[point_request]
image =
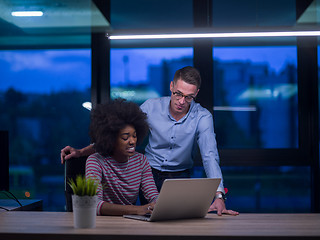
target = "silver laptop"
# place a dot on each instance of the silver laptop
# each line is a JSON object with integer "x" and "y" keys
{"x": 182, "y": 198}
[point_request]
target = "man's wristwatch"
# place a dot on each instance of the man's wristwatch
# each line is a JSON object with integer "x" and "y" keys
{"x": 221, "y": 195}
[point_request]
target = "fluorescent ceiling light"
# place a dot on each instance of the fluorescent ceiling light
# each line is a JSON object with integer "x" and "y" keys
{"x": 217, "y": 35}
{"x": 27, "y": 13}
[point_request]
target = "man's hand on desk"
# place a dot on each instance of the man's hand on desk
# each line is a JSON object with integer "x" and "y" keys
{"x": 220, "y": 206}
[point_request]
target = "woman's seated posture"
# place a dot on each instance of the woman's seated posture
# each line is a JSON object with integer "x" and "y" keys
{"x": 120, "y": 171}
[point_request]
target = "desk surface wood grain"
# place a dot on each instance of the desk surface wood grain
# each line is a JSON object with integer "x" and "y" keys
{"x": 59, "y": 225}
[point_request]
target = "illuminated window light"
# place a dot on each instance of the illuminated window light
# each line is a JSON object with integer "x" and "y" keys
{"x": 87, "y": 105}
{"x": 235, "y": 109}
{"x": 27, "y": 13}
{"x": 217, "y": 35}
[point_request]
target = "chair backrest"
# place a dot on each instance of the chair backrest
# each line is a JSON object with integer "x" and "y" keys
{"x": 72, "y": 168}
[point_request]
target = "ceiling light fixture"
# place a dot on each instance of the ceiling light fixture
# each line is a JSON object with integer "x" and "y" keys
{"x": 27, "y": 13}
{"x": 216, "y": 35}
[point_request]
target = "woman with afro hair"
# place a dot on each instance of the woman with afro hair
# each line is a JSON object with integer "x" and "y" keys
{"x": 116, "y": 127}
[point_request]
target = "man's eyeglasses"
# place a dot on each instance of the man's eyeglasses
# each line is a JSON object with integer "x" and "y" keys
{"x": 179, "y": 95}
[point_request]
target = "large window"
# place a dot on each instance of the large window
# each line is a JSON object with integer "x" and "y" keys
{"x": 256, "y": 97}
{"x": 41, "y": 96}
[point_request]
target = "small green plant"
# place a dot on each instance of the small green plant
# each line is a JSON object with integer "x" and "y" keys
{"x": 83, "y": 186}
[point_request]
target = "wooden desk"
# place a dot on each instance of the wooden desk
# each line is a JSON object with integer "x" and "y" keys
{"x": 59, "y": 225}
{"x": 27, "y": 205}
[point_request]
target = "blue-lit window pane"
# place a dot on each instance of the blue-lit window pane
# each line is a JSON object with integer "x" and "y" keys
{"x": 142, "y": 73}
{"x": 255, "y": 97}
{"x": 266, "y": 189}
{"x": 41, "y": 96}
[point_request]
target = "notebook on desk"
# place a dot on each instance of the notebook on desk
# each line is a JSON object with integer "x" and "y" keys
{"x": 181, "y": 199}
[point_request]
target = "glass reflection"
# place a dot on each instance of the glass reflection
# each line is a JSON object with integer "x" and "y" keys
{"x": 255, "y": 97}
{"x": 143, "y": 73}
{"x": 41, "y": 96}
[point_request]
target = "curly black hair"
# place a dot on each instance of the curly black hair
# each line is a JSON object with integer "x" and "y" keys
{"x": 108, "y": 119}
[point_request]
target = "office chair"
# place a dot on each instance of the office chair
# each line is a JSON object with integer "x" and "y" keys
{"x": 72, "y": 168}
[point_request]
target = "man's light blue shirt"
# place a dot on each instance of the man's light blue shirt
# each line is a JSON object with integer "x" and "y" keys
{"x": 172, "y": 143}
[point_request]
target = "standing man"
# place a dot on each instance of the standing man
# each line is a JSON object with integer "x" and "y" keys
{"x": 177, "y": 123}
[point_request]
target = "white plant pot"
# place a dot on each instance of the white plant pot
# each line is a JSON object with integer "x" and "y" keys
{"x": 84, "y": 211}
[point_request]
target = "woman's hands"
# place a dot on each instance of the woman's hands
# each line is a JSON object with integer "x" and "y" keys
{"x": 145, "y": 209}
{"x": 119, "y": 210}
